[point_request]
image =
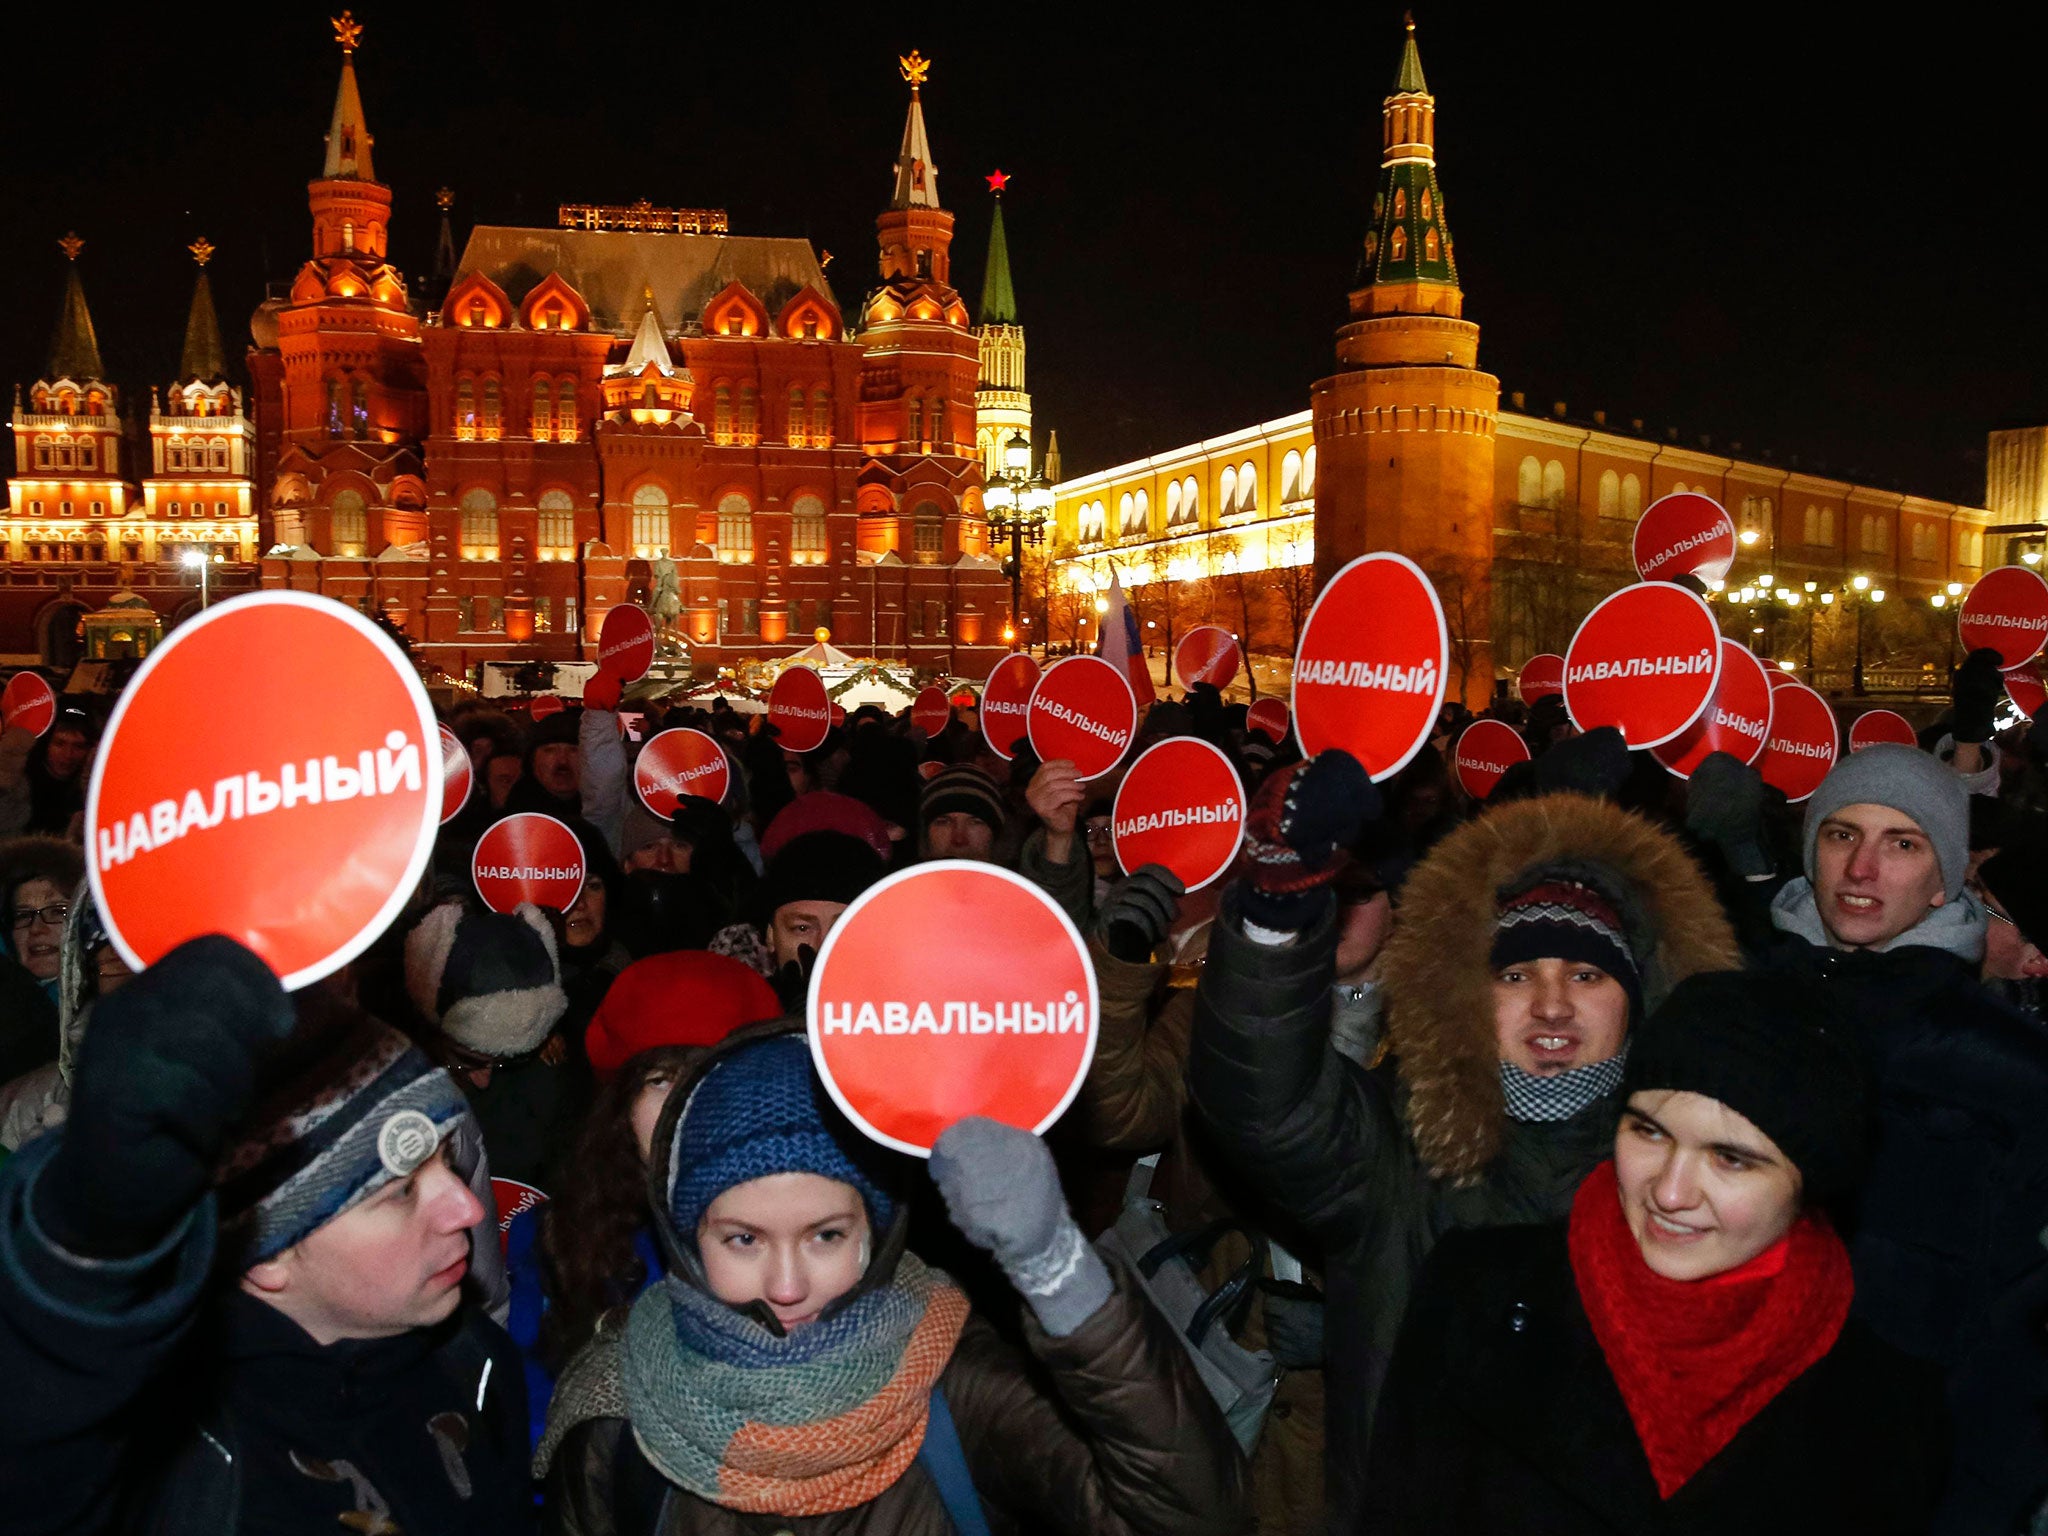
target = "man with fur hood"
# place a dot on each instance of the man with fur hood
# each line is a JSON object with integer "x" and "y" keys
{"x": 1527, "y": 944}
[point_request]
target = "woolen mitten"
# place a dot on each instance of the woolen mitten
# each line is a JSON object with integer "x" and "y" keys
{"x": 167, "y": 1071}
{"x": 603, "y": 690}
{"x": 1138, "y": 912}
{"x": 1003, "y": 1193}
{"x": 1724, "y": 805}
{"x": 1296, "y": 836}
{"x": 1979, "y": 685}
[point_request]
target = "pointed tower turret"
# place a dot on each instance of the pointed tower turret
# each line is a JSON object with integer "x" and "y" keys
{"x": 1408, "y": 248}
{"x": 916, "y": 233}
{"x": 201, "y": 446}
{"x": 204, "y": 360}
{"x": 351, "y": 208}
{"x": 917, "y": 176}
{"x": 348, "y": 136}
{"x": 443, "y": 275}
{"x": 1002, "y": 409}
{"x": 67, "y": 438}
{"x": 649, "y": 387}
{"x": 74, "y": 345}
{"x": 1052, "y": 458}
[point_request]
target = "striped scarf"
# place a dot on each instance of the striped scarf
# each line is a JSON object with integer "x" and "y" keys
{"x": 819, "y": 1420}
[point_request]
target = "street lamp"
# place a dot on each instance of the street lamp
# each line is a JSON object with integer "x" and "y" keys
{"x": 196, "y": 559}
{"x": 1017, "y": 502}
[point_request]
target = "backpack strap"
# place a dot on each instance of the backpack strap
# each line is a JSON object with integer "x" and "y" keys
{"x": 946, "y": 1463}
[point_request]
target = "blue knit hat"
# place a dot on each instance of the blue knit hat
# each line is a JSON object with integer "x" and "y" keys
{"x": 759, "y": 1111}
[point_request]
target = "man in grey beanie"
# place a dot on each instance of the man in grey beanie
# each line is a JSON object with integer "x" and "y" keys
{"x": 1946, "y": 1237}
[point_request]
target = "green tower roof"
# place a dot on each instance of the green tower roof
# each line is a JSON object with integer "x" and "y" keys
{"x": 1408, "y": 81}
{"x": 74, "y": 347}
{"x": 998, "y": 298}
{"x": 1409, "y": 241}
{"x": 204, "y": 357}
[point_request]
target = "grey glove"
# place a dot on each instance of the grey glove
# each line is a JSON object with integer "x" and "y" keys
{"x": 1724, "y": 805}
{"x": 1003, "y": 1193}
{"x": 1138, "y": 912}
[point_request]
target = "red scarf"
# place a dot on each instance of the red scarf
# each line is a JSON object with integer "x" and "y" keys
{"x": 1697, "y": 1360}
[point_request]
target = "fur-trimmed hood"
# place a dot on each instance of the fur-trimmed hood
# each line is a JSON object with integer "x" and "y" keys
{"x": 1435, "y": 972}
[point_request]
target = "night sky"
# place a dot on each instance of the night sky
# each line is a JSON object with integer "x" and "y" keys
{"x": 1822, "y": 245}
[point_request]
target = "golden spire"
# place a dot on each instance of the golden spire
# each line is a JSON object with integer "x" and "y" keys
{"x": 915, "y": 68}
{"x": 346, "y": 31}
{"x": 71, "y": 245}
{"x": 445, "y": 199}
{"x": 202, "y": 250}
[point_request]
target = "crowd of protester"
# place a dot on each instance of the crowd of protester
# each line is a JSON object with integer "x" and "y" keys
{"x": 1617, "y": 1153}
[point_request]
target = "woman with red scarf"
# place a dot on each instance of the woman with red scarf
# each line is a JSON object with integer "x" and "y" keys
{"x": 1678, "y": 1357}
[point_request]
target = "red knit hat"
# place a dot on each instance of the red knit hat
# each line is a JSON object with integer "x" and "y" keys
{"x": 825, "y": 810}
{"x": 686, "y": 997}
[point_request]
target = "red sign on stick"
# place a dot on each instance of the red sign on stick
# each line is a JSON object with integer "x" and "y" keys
{"x": 1488, "y": 749}
{"x": 1684, "y": 534}
{"x": 1207, "y": 654}
{"x": 2024, "y": 687}
{"x": 625, "y": 643}
{"x": 2007, "y": 611}
{"x": 1803, "y": 743}
{"x": 1082, "y": 710}
{"x": 1181, "y": 805}
{"x": 1004, "y": 699}
{"x": 931, "y": 711}
{"x": 547, "y": 704}
{"x": 1542, "y": 675}
{"x": 528, "y": 857}
{"x": 1737, "y": 720}
{"x": 677, "y": 763}
{"x": 910, "y": 1036}
{"x": 457, "y": 774}
{"x": 1646, "y": 660}
{"x": 1876, "y": 725}
{"x": 322, "y": 818}
{"x": 27, "y": 703}
{"x": 799, "y": 708}
{"x": 1269, "y": 718}
{"x": 513, "y": 1199}
{"x": 1369, "y": 674}
{"x": 1780, "y": 678}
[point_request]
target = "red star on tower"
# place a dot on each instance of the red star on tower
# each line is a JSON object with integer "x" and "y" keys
{"x": 997, "y": 182}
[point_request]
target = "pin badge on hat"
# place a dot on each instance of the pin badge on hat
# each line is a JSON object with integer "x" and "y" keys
{"x": 406, "y": 1140}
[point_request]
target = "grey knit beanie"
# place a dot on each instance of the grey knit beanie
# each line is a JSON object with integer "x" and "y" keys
{"x": 1907, "y": 780}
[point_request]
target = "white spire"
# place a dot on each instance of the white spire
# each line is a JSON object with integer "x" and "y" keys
{"x": 348, "y": 136}
{"x": 917, "y": 177}
{"x": 649, "y": 346}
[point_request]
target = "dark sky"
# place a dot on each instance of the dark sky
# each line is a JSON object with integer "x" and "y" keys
{"x": 1822, "y": 243}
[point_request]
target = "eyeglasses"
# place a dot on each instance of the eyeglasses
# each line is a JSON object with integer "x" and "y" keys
{"x": 51, "y": 916}
{"x": 1097, "y": 831}
{"x": 1991, "y": 911}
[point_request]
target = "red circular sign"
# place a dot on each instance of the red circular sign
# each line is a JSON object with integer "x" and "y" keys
{"x": 1684, "y": 534}
{"x": 1488, "y": 749}
{"x": 1803, "y": 743}
{"x": 1647, "y": 660}
{"x": 677, "y": 763}
{"x": 1207, "y": 654}
{"x": 1181, "y": 805}
{"x": 799, "y": 708}
{"x": 1004, "y": 699}
{"x": 2023, "y": 685}
{"x": 1736, "y": 721}
{"x": 325, "y": 816}
{"x": 1269, "y": 718}
{"x": 457, "y": 774}
{"x": 2007, "y": 610}
{"x": 547, "y": 704}
{"x": 1876, "y": 725}
{"x": 528, "y": 857}
{"x": 1542, "y": 675}
{"x": 625, "y": 643}
{"x": 1370, "y": 671}
{"x": 1082, "y": 711}
{"x": 931, "y": 711}
{"x": 514, "y": 1200}
{"x": 1780, "y": 678}
{"x": 911, "y": 1037}
{"x": 27, "y": 703}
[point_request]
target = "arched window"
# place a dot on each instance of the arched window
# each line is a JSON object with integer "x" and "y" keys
{"x": 1827, "y": 527}
{"x": 1678, "y": 488}
{"x": 543, "y": 409}
{"x": 1610, "y": 493}
{"x": 913, "y": 439}
{"x": 1631, "y": 496}
{"x": 1191, "y": 498}
{"x": 220, "y": 453}
{"x": 821, "y": 417}
{"x": 1126, "y": 515}
{"x": 1430, "y": 243}
{"x": 1290, "y": 477}
{"x": 465, "y": 408}
{"x": 359, "y": 408}
{"x": 1397, "y": 242}
{"x": 557, "y": 533}
{"x": 928, "y": 533}
{"x": 1529, "y": 482}
{"x": 721, "y": 414}
{"x": 493, "y": 423}
{"x": 1142, "y": 510}
{"x": 1308, "y": 473}
{"x": 750, "y": 415}
{"x": 351, "y": 525}
{"x": 735, "y": 530}
{"x": 1226, "y": 492}
{"x": 1812, "y": 524}
{"x": 807, "y": 531}
{"x": 1553, "y": 485}
{"x": 935, "y": 424}
{"x": 651, "y": 531}
{"x": 334, "y": 408}
{"x": 798, "y": 427}
{"x": 1766, "y": 517}
{"x": 1172, "y": 502}
{"x": 1247, "y": 488}
{"x": 479, "y": 525}
{"x": 87, "y": 451}
{"x": 1088, "y": 523}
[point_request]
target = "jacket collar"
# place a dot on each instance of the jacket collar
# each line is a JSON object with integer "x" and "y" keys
{"x": 1956, "y": 927}
{"x": 274, "y": 1366}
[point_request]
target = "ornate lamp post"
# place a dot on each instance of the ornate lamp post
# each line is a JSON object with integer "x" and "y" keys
{"x": 1018, "y": 503}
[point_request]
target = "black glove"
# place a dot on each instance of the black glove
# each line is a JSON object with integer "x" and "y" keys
{"x": 1302, "y": 821}
{"x": 1979, "y": 685}
{"x": 1594, "y": 764}
{"x": 1724, "y": 805}
{"x": 1138, "y": 911}
{"x": 165, "y": 1074}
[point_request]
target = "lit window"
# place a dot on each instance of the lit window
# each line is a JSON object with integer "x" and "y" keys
{"x": 721, "y": 418}
{"x": 651, "y": 531}
{"x": 1553, "y": 485}
{"x": 1290, "y": 480}
{"x": 465, "y": 408}
{"x": 735, "y": 530}
{"x": 543, "y": 411}
{"x": 494, "y": 413}
{"x": 351, "y": 524}
{"x": 1631, "y": 496}
{"x": 557, "y": 533}
{"x": 928, "y": 533}
{"x": 565, "y": 411}
{"x": 1226, "y": 492}
{"x": 807, "y": 531}
{"x": 479, "y": 525}
{"x": 750, "y": 415}
{"x": 821, "y": 417}
{"x": 798, "y": 433}
{"x": 1610, "y": 493}
{"x": 1397, "y": 243}
{"x": 1247, "y": 488}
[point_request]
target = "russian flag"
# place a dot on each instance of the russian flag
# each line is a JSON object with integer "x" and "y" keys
{"x": 1118, "y": 644}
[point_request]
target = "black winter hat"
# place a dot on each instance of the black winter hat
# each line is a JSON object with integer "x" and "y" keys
{"x": 818, "y": 866}
{"x": 562, "y": 728}
{"x": 1774, "y": 1049}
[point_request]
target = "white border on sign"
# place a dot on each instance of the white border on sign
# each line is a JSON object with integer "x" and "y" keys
{"x": 1443, "y": 656}
{"x": 901, "y": 877}
{"x": 945, "y": 699}
{"x": 1286, "y": 719}
{"x": 653, "y": 642}
{"x": 1129, "y": 693}
{"x": 582, "y": 859}
{"x": 1711, "y": 570}
{"x": 1243, "y": 805}
{"x": 1827, "y": 709}
{"x": 1186, "y": 636}
{"x": 1730, "y": 648}
{"x": 640, "y": 793}
{"x": 1964, "y": 615}
{"x": 824, "y": 730}
{"x": 430, "y": 750}
{"x": 49, "y": 695}
{"x": 981, "y": 703}
{"x": 1557, "y": 692}
{"x": 449, "y": 739}
{"x": 1458, "y": 755}
{"x": 1713, "y": 683}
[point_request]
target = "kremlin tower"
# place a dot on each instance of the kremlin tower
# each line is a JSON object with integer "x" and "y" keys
{"x": 1002, "y": 409}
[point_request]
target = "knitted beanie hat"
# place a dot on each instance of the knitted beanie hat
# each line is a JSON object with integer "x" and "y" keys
{"x": 1904, "y": 779}
{"x": 963, "y": 788}
{"x": 684, "y": 997}
{"x": 489, "y": 981}
{"x": 825, "y": 810}
{"x": 1556, "y": 917}
{"x": 759, "y": 1111}
{"x": 1772, "y": 1048}
{"x": 819, "y": 866}
{"x": 359, "y": 1105}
